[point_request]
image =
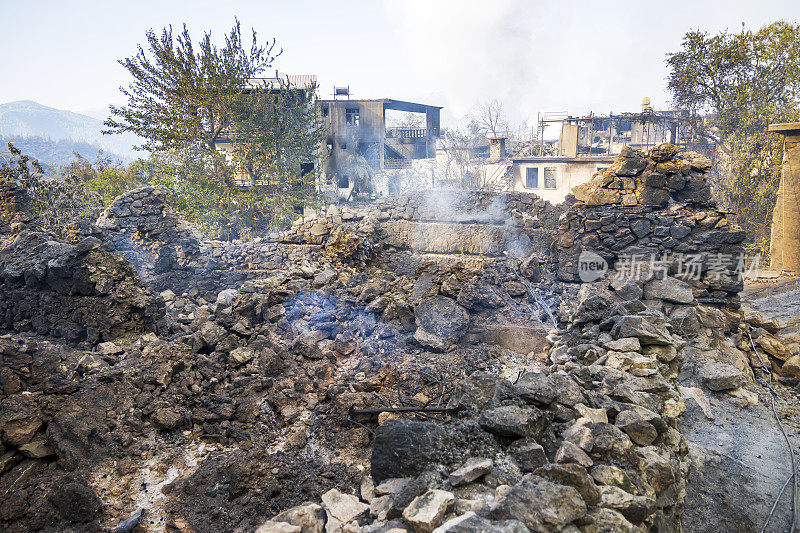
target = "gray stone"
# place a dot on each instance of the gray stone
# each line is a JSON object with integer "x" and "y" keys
{"x": 540, "y": 504}
{"x": 528, "y": 454}
{"x": 470, "y": 522}
{"x": 669, "y": 289}
{"x": 536, "y": 388}
{"x": 648, "y": 329}
{"x": 426, "y": 512}
{"x": 571, "y": 453}
{"x": 441, "y": 322}
{"x": 636, "y": 427}
{"x": 573, "y": 475}
{"x": 513, "y": 421}
{"x": 635, "y": 508}
{"x": 474, "y": 468}
{"x": 721, "y": 376}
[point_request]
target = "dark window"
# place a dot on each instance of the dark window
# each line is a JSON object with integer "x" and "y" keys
{"x": 342, "y": 146}
{"x": 325, "y": 111}
{"x": 532, "y": 178}
{"x": 343, "y": 182}
{"x": 549, "y": 178}
{"x": 351, "y": 116}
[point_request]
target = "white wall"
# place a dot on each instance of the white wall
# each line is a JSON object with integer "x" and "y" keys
{"x": 568, "y": 175}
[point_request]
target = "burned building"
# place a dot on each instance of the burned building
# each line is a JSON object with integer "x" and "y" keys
{"x": 590, "y": 143}
{"x": 359, "y": 133}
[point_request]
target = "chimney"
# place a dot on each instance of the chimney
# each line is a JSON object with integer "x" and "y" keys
{"x": 497, "y": 149}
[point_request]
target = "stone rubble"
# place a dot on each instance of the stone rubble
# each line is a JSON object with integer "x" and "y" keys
{"x": 215, "y": 383}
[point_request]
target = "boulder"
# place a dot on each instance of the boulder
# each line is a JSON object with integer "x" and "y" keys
{"x": 721, "y": 376}
{"x": 540, "y": 504}
{"x": 403, "y": 448}
{"x": 513, "y": 421}
{"x": 669, "y": 289}
{"x": 648, "y": 329}
{"x": 536, "y": 387}
{"x": 441, "y": 322}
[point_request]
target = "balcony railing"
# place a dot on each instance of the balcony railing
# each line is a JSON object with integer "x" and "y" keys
{"x": 407, "y": 133}
{"x": 396, "y": 163}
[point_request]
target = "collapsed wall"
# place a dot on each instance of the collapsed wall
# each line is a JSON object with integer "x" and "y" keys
{"x": 251, "y": 406}
{"x": 79, "y": 292}
{"x": 590, "y": 441}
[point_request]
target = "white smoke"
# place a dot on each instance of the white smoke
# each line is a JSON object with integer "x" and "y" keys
{"x": 471, "y": 50}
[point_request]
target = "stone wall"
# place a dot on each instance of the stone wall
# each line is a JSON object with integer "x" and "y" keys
{"x": 655, "y": 206}
{"x": 398, "y": 231}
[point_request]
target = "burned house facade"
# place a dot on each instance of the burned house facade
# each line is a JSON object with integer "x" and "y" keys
{"x": 588, "y": 144}
{"x": 359, "y": 135}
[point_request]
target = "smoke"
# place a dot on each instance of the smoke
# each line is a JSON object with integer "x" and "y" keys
{"x": 472, "y": 51}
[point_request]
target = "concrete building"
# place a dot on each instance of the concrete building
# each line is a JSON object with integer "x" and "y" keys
{"x": 590, "y": 143}
{"x": 358, "y": 129}
{"x": 552, "y": 178}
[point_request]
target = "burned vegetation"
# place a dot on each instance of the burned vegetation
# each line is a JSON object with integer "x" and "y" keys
{"x": 435, "y": 361}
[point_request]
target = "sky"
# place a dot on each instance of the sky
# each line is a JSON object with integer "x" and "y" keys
{"x": 533, "y": 56}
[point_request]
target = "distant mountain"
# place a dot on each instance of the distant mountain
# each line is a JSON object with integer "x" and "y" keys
{"x": 29, "y": 119}
{"x": 50, "y": 153}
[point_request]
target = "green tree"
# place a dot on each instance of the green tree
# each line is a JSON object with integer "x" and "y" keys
{"x": 236, "y": 151}
{"x": 734, "y": 85}
{"x": 181, "y": 97}
{"x": 105, "y": 176}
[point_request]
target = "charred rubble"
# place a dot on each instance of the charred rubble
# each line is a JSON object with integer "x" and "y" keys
{"x": 426, "y": 362}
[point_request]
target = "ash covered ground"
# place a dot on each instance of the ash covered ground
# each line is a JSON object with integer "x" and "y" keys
{"x": 427, "y": 362}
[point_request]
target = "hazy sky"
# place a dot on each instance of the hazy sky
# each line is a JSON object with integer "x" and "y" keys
{"x": 565, "y": 55}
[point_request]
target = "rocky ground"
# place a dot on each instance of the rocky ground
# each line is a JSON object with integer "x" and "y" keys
{"x": 394, "y": 367}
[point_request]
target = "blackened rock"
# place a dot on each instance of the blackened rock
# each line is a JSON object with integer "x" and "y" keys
{"x": 592, "y": 308}
{"x": 75, "y": 502}
{"x": 513, "y": 421}
{"x": 477, "y": 294}
{"x": 528, "y": 454}
{"x": 404, "y": 448}
{"x": 633, "y": 162}
{"x": 653, "y": 196}
{"x": 441, "y": 322}
{"x": 696, "y": 190}
{"x": 537, "y": 388}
